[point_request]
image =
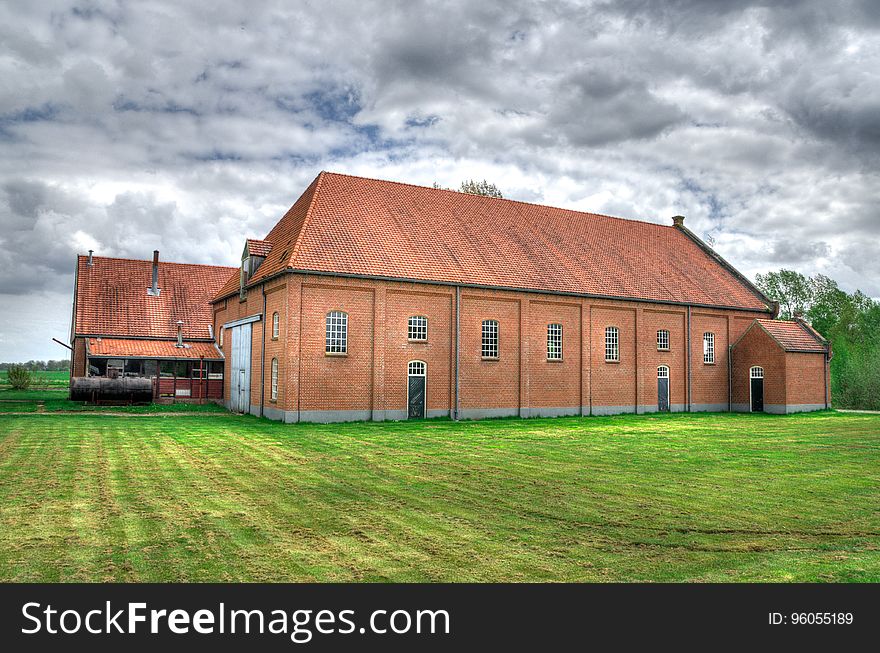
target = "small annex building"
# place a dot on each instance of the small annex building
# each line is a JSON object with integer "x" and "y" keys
{"x": 140, "y": 319}
{"x": 780, "y": 366}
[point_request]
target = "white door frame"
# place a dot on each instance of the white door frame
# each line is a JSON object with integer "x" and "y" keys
{"x": 755, "y": 367}
{"x": 424, "y": 375}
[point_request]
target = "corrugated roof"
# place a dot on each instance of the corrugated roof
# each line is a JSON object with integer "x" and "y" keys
{"x": 792, "y": 336}
{"x": 366, "y": 227}
{"x": 132, "y": 348}
{"x": 111, "y": 298}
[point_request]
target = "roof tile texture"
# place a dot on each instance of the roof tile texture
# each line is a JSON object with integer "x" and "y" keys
{"x": 792, "y": 335}
{"x": 112, "y": 299}
{"x": 352, "y": 225}
{"x": 151, "y": 349}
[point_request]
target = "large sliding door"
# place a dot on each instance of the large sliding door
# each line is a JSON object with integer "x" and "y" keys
{"x": 240, "y": 364}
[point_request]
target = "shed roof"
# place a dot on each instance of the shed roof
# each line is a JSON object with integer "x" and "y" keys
{"x": 138, "y": 348}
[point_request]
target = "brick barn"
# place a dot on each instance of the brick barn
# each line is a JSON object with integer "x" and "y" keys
{"x": 374, "y": 300}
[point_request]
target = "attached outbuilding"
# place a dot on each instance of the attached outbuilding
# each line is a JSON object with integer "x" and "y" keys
{"x": 780, "y": 366}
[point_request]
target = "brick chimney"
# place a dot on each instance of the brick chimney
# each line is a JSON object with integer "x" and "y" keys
{"x": 678, "y": 221}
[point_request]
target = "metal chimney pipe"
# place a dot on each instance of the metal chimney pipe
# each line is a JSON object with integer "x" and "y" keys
{"x": 90, "y": 257}
{"x": 180, "y": 333}
{"x": 154, "y": 289}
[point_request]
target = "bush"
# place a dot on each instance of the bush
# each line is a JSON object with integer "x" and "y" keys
{"x": 19, "y": 377}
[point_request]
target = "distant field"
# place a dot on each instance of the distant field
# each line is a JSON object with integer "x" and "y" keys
{"x": 219, "y": 497}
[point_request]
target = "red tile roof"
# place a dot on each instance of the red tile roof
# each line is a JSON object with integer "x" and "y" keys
{"x": 151, "y": 348}
{"x": 793, "y": 336}
{"x": 111, "y": 298}
{"x": 258, "y": 247}
{"x": 366, "y": 227}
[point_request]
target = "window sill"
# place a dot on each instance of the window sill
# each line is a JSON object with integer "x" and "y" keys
{"x": 612, "y": 362}
{"x": 554, "y": 360}
{"x": 273, "y": 401}
{"x": 417, "y": 342}
{"x": 335, "y": 354}
{"x": 274, "y": 337}
{"x": 709, "y": 364}
{"x": 662, "y": 349}
{"x": 489, "y": 358}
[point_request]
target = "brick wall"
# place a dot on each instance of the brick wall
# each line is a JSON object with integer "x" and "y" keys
{"x": 371, "y": 380}
{"x": 805, "y": 384}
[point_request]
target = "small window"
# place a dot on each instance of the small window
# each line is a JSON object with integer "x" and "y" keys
{"x": 490, "y": 339}
{"x": 275, "y": 377}
{"x": 708, "y": 348}
{"x": 221, "y": 336}
{"x": 337, "y": 333}
{"x": 418, "y": 328}
{"x": 612, "y": 344}
{"x": 416, "y": 368}
{"x": 275, "y": 325}
{"x": 554, "y": 342}
{"x": 663, "y": 372}
{"x": 756, "y": 373}
{"x": 663, "y": 340}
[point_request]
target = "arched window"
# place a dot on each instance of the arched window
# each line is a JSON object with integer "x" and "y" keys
{"x": 554, "y": 342}
{"x": 490, "y": 339}
{"x": 417, "y": 368}
{"x": 663, "y": 340}
{"x": 276, "y": 323}
{"x": 417, "y": 330}
{"x": 756, "y": 372}
{"x": 663, "y": 372}
{"x": 612, "y": 344}
{"x": 709, "y": 348}
{"x": 274, "y": 379}
{"x": 337, "y": 333}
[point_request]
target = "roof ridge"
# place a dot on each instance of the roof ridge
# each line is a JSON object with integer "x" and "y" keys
{"x": 140, "y": 260}
{"x": 501, "y": 199}
{"x": 291, "y": 258}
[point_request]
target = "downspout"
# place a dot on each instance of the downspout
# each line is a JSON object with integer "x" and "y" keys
{"x": 729, "y": 378}
{"x": 689, "y": 356}
{"x": 825, "y": 373}
{"x": 263, "y": 353}
{"x": 457, "y": 411}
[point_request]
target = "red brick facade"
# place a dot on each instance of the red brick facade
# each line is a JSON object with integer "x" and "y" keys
{"x": 370, "y": 381}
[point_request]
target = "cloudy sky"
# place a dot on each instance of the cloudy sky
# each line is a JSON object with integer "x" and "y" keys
{"x": 130, "y": 127}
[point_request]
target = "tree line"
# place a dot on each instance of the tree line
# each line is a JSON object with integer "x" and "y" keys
{"x": 40, "y": 366}
{"x": 850, "y": 321}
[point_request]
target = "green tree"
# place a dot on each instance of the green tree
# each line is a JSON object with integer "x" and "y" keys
{"x": 791, "y": 289}
{"x": 485, "y": 188}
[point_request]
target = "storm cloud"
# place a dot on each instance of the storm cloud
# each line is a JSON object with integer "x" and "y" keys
{"x": 130, "y": 127}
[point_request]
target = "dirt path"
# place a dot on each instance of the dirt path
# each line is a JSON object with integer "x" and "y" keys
{"x": 866, "y": 412}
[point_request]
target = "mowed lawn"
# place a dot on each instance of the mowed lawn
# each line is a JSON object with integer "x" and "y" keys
{"x": 217, "y": 497}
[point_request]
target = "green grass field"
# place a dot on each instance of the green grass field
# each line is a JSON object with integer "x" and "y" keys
{"x": 217, "y": 497}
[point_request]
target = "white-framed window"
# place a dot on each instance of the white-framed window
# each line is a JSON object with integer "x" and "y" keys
{"x": 490, "y": 339}
{"x": 417, "y": 368}
{"x": 242, "y": 291}
{"x": 274, "y": 379}
{"x": 756, "y": 372}
{"x": 663, "y": 340}
{"x": 612, "y": 344}
{"x": 337, "y": 333}
{"x": 554, "y": 342}
{"x": 663, "y": 372}
{"x": 221, "y": 336}
{"x": 417, "y": 329}
{"x": 276, "y": 325}
{"x": 708, "y": 348}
